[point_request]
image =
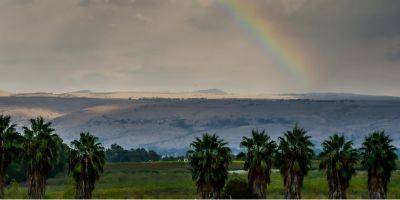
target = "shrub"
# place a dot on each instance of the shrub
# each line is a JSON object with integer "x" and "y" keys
{"x": 15, "y": 191}
{"x": 236, "y": 188}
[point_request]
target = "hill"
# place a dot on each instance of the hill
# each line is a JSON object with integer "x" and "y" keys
{"x": 169, "y": 125}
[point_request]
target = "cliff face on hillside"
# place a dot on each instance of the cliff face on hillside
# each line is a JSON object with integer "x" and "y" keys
{"x": 170, "y": 125}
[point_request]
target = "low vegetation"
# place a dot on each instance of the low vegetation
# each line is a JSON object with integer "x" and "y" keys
{"x": 173, "y": 180}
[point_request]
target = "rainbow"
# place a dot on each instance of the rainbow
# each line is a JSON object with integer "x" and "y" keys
{"x": 270, "y": 41}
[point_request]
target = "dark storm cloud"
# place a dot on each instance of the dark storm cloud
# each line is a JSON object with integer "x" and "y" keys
{"x": 52, "y": 45}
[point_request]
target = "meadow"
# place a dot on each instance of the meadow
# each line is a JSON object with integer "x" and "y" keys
{"x": 173, "y": 180}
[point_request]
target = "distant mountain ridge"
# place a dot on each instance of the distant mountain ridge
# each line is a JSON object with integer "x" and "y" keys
{"x": 211, "y": 91}
{"x": 340, "y": 96}
{"x": 206, "y": 93}
{"x": 83, "y": 91}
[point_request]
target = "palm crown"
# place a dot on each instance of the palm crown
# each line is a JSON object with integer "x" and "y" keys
{"x": 259, "y": 159}
{"x": 379, "y": 157}
{"x": 209, "y": 159}
{"x": 338, "y": 160}
{"x": 10, "y": 141}
{"x": 86, "y": 164}
{"x": 41, "y": 150}
{"x": 294, "y": 159}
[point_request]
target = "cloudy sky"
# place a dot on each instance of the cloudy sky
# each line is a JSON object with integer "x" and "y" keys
{"x": 178, "y": 45}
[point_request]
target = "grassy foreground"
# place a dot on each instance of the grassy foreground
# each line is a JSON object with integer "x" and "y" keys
{"x": 173, "y": 180}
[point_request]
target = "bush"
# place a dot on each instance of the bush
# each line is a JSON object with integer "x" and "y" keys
{"x": 15, "y": 191}
{"x": 236, "y": 188}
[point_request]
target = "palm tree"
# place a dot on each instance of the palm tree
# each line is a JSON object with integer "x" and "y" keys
{"x": 86, "y": 163}
{"x": 41, "y": 148}
{"x": 338, "y": 160}
{"x": 259, "y": 159}
{"x": 209, "y": 159}
{"x": 10, "y": 141}
{"x": 294, "y": 159}
{"x": 379, "y": 157}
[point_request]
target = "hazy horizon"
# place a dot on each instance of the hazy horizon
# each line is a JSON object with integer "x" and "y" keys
{"x": 257, "y": 47}
{"x": 253, "y": 94}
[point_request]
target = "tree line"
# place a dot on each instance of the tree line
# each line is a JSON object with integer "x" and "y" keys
{"x": 39, "y": 153}
{"x": 40, "y": 150}
{"x": 209, "y": 158}
{"x": 117, "y": 153}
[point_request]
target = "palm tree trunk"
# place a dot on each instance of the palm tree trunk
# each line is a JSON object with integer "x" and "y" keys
{"x": 336, "y": 190}
{"x": 206, "y": 194}
{"x": 332, "y": 189}
{"x": 2, "y": 181}
{"x": 78, "y": 190}
{"x": 3, "y": 167}
{"x": 206, "y": 191}
{"x": 344, "y": 193}
{"x": 293, "y": 186}
{"x": 87, "y": 190}
{"x": 258, "y": 187}
{"x": 84, "y": 188}
{"x": 336, "y": 193}
{"x": 376, "y": 188}
{"x": 36, "y": 184}
{"x": 87, "y": 185}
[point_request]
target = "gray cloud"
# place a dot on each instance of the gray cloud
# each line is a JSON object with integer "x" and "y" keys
{"x": 48, "y": 45}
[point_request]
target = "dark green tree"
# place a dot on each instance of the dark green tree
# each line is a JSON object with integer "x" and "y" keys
{"x": 10, "y": 144}
{"x": 61, "y": 165}
{"x": 294, "y": 160}
{"x": 40, "y": 151}
{"x": 338, "y": 160}
{"x": 86, "y": 164}
{"x": 118, "y": 154}
{"x": 379, "y": 157}
{"x": 241, "y": 156}
{"x": 209, "y": 160}
{"x": 260, "y": 155}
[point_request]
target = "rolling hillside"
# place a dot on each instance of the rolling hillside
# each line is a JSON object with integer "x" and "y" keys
{"x": 169, "y": 125}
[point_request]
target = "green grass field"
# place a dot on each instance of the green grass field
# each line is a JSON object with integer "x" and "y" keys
{"x": 173, "y": 180}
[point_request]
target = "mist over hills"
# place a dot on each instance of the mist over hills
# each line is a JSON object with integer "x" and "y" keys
{"x": 205, "y": 93}
{"x": 168, "y": 125}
